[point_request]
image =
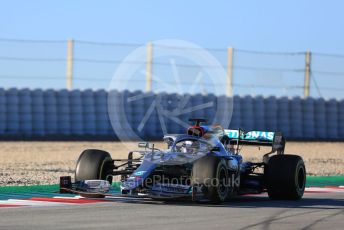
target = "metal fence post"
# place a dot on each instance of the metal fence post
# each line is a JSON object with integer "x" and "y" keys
{"x": 230, "y": 72}
{"x": 69, "y": 72}
{"x": 306, "y": 87}
{"x": 149, "y": 67}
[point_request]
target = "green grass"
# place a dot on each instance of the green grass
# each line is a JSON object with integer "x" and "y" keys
{"x": 30, "y": 188}
{"x": 312, "y": 181}
{"x": 320, "y": 181}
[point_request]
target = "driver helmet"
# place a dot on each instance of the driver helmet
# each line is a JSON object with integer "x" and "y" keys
{"x": 190, "y": 146}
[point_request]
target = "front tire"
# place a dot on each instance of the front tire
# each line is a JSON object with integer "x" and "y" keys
{"x": 285, "y": 177}
{"x": 94, "y": 164}
{"x": 212, "y": 173}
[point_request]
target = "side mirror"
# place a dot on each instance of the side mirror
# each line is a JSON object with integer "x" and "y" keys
{"x": 143, "y": 145}
{"x": 168, "y": 141}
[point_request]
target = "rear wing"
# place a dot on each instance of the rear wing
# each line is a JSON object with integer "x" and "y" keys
{"x": 258, "y": 138}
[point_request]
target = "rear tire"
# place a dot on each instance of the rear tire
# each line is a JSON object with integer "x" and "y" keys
{"x": 94, "y": 164}
{"x": 285, "y": 177}
{"x": 212, "y": 173}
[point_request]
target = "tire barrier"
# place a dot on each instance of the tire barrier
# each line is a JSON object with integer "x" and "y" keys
{"x": 283, "y": 116}
{"x": 341, "y": 119}
{"x": 88, "y": 112}
{"x": 38, "y": 118}
{"x": 2, "y": 112}
{"x": 259, "y": 111}
{"x": 61, "y": 114}
{"x": 308, "y": 118}
{"x": 332, "y": 119}
{"x": 76, "y": 113}
{"x": 247, "y": 113}
{"x": 296, "y": 128}
{"x": 50, "y": 112}
{"x": 236, "y": 115}
{"x": 25, "y": 112}
{"x": 320, "y": 119}
{"x": 271, "y": 117}
{"x": 102, "y": 123}
{"x": 12, "y": 112}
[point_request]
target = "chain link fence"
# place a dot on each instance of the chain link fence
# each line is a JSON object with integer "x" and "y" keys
{"x": 43, "y": 64}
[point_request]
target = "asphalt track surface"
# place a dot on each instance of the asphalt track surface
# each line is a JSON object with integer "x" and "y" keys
{"x": 314, "y": 211}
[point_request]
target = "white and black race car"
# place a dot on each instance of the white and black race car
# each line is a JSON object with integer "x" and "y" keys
{"x": 202, "y": 165}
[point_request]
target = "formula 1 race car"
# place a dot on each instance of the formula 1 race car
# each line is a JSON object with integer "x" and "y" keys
{"x": 202, "y": 165}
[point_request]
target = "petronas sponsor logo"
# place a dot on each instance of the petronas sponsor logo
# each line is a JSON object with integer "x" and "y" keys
{"x": 253, "y": 135}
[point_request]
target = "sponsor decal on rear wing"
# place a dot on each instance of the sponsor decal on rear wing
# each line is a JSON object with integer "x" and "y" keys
{"x": 252, "y": 135}
{"x": 259, "y": 138}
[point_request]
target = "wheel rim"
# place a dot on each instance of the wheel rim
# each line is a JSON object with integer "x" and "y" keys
{"x": 222, "y": 187}
{"x": 301, "y": 178}
{"x": 104, "y": 171}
